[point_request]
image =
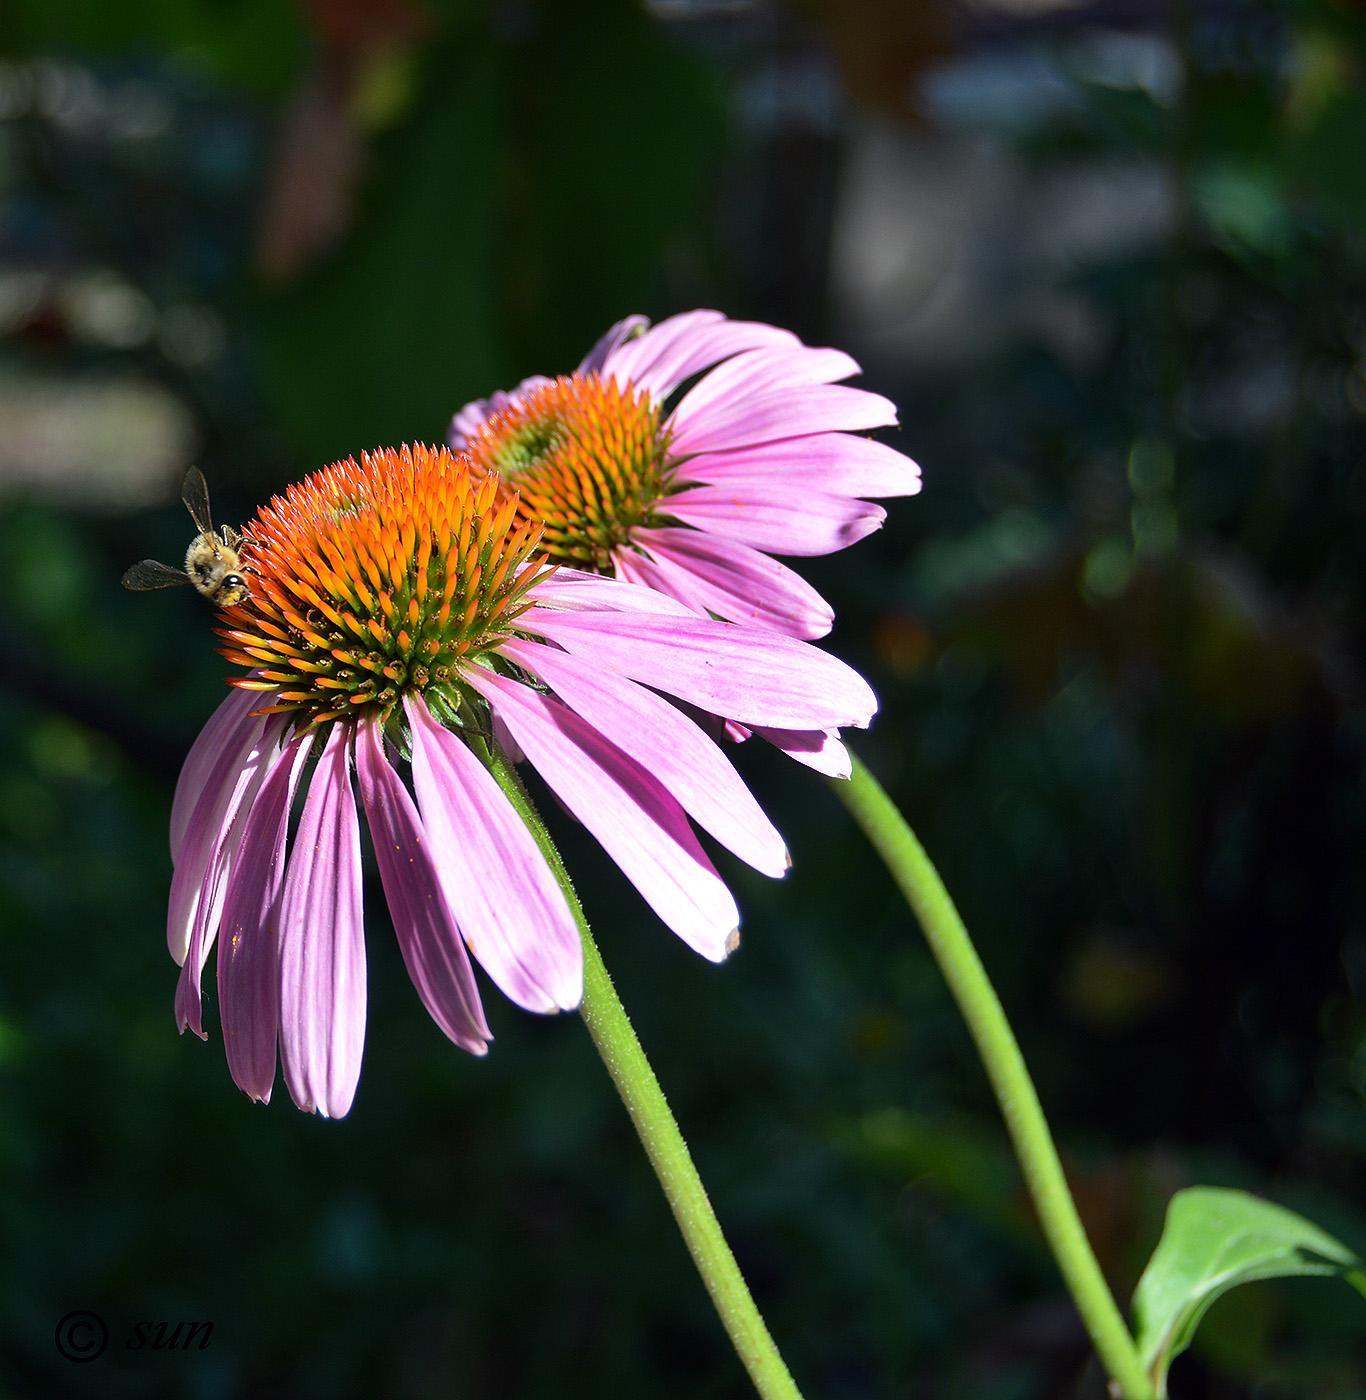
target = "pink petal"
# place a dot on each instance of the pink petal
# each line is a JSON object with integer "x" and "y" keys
{"x": 782, "y": 413}
{"x": 426, "y": 930}
{"x": 207, "y": 911}
{"x": 573, "y": 591}
{"x": 837, "y": 464}
{"x": 189, "y": 1002}
{"x": 209, "y": 840}
{"x": 714, "y": 575}
{"x": 467, "y": 421}
{"x": 661, "y": 359}
{"x": 742, "y": 673}
{"x": 619, "y": 335}
{"x": 510, "y": 909}
{"x": 665, "y": 742}
{"x": 816, "y": 748}
{"x": 322, "y": 942}
{"x": 777, "y": 518}
{"x": 506, "y": 742}
{"x": 248, "y": 951}
{"x": 635, "y": 820}
{"x": 764, "y": 371}
{"x": 204, "y": 754}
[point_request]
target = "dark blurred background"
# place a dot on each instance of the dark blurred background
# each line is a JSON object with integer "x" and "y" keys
{"x": 1110, "y": 261}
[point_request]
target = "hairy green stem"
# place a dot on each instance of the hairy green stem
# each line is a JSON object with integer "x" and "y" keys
{"x": 918, "y": 880}
{"x": 621, "y": 1052}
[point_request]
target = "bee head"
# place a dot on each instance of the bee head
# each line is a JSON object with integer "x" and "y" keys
{"x": 232, "y": 592}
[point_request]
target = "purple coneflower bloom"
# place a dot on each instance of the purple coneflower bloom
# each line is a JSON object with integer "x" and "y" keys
{"x": 758, "y": 457}
{"x": 402, "y": 616}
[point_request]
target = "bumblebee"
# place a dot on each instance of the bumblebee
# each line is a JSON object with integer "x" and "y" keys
{"x": 213, "y": 564}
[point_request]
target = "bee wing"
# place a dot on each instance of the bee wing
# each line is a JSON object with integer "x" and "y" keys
{"x": 195, "y": 494}
{"x": 149, "y": 574}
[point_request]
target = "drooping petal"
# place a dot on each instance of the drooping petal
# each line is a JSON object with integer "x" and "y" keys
{"x": 511, "y": 911}
{"x": 248, "y": 943}
{"x": 204, "y": 911}
{"x": 665, "y": 742}
{"x": 834, "y": 463}
{"x": 777, "y": 518}
{"x": 819, "y": 749}
{"x": 624, "y": 330}
{"x": 427, "y": 934}
{"x": 204, "y": 754}
{"x": 322, "y": 942}
{"x": 575, "y": 591}
{"x": 240, "y": 769}
{"x": 740, "y": 584}
{"x": 738, "y": 672}
{"x": 816, "y": 748}
{"x": 209, "y": 906}
{"x": 189, "y": 999}
{"x": 674, "y": 350}
{"x": 781, "y": 413}
{"x": 627, "y": 810}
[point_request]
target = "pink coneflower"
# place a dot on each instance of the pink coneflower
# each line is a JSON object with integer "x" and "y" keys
{"x": 757, "y": 458}
{"x": 398, "y": 625}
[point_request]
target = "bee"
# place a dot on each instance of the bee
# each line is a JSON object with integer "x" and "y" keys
{"x": 212, "y": 562}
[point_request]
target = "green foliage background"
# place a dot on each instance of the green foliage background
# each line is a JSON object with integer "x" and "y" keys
{"x": 1120, "y": 661}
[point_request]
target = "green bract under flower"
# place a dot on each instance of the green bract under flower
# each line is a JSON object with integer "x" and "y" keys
{"x": 377, "y": 579}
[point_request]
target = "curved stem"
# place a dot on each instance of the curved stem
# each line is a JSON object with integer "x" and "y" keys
{"x": 918, "y": 880}
{"x": 621, "y": 1052}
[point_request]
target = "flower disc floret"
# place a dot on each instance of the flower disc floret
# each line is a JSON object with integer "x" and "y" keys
{"x": 404, "y": 642}
{"x": 702, "y": 447}
{"x": 376, "y": 579}
{"x": 684, "y": 457}
{"x": 586, "y": 457}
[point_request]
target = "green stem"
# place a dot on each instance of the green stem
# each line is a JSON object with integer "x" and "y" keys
{"x": 918, "y": 880}
{"x": 621, "y": 1052}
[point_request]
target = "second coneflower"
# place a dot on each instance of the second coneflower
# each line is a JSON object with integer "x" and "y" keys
{"x": 398, "y": 622}
{"x": 759, "y": 456}
{"x": 685, "y": 455}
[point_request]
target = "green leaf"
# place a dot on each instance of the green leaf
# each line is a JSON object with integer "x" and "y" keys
{"x": 1215, "y": 1239}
